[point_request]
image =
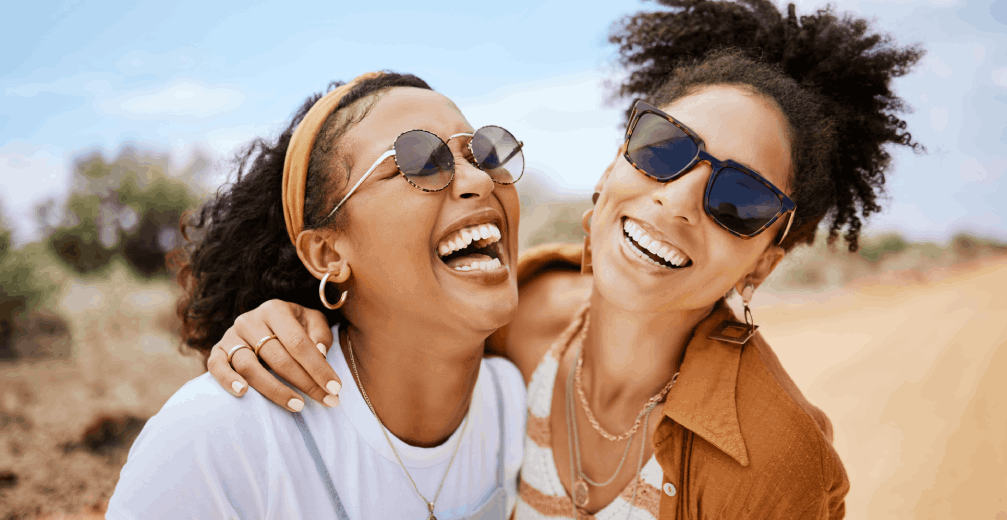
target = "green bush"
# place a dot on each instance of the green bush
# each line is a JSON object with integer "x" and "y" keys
{"x": 129, "y": 206}
{"x": 20, "y": 289}
{"x": 879, "y": 248}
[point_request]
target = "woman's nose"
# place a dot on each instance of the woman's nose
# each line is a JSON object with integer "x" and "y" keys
{"x": 682, "y": 198}
{"x": 470, "y": 181}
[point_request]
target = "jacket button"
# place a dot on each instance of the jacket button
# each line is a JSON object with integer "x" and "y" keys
{"x": 669, "y": 489}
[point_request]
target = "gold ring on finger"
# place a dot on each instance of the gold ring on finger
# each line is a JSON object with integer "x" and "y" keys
{"x": 236, "y": 348}
{"x": 263, "y": 342}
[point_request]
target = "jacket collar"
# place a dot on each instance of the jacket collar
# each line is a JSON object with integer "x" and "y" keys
{"x": 703, "y": 399}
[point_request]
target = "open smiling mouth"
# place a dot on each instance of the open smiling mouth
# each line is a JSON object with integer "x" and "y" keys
{"x": 472, "y": 248}
{"x": 653, "y": 251}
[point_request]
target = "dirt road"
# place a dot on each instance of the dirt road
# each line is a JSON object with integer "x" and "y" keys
{"x": 914, "y": 378}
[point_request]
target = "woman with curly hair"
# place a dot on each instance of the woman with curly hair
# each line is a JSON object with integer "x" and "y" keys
{"x": 647, "y": 396}
{"x": 382, "y": 189}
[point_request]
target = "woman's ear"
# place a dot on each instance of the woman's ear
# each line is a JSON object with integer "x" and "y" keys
{"x": 319, "y": 252}
{"x": 764, "y": 266}
{"x": 604, "y": 176}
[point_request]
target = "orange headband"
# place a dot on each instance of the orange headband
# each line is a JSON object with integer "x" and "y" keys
{"x": 295, "y": 164}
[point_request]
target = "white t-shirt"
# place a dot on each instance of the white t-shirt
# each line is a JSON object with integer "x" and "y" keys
{"x": 207, "y": 454}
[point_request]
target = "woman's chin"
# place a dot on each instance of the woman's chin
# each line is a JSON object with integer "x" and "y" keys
{"x": 491, "y": 312}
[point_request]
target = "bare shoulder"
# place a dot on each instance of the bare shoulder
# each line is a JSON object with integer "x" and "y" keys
{"x": 548, "y": 303}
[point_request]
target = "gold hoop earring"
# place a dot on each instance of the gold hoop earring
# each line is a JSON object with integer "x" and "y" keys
{"x": 321, "y": 294}
{"x": 734, "y": 332}
{"x": 585, "y": 255}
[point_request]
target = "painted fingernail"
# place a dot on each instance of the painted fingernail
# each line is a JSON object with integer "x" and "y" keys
{"x": 333, "y": 387}
{"x": 331, "y": 401}
{"x": 295, "y": 404}
{"x": 321, "y": 348}
{"x": 237, "y": 386}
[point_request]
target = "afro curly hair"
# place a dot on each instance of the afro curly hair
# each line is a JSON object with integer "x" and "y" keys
{"x": 830, "y": 75}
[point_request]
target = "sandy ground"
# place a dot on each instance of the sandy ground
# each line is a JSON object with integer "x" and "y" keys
{"x": 909, "y": 368}
{"x": 54, "y": 455}
{"x": 914, "y": 378}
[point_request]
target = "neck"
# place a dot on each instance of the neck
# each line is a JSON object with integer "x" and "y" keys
{"x": 420, "y": 385}
{"x": 629, "y": 356}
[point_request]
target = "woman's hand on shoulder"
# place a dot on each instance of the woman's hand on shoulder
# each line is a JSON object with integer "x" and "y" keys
{"x": 297, "y": 355}
{"x": 548, "y": 303}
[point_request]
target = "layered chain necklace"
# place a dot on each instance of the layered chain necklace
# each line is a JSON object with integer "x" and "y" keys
{"x": 579, "y": 494}
{"x": 429, "y": 503}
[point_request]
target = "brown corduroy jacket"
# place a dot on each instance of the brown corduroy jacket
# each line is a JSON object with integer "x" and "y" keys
{"x": 738, "y": 439}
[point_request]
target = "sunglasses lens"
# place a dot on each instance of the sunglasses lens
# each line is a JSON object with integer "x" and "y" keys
{"x": 498, "y": 153}
{"x": 741, "y": 203}
{"x": 660, "y": 148}
{"x": 424, "y": 159}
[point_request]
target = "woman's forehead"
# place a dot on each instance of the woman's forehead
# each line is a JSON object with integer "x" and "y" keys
{"x": 738, "y": 124}
{"x": 405, "y": 108}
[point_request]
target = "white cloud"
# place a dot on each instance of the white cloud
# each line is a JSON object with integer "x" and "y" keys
{"x": 908, "y": 219}
{"x": 182, "y": 98}
{"x": 1000, "y": 77}
{"x": 29, "y": 175}
{"x": 971, "y": 170}
{"x": 937, "y": 66}
{"x": 939, "y": 119}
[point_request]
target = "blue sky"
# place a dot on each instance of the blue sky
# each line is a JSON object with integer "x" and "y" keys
{"x": 177, "y": 76}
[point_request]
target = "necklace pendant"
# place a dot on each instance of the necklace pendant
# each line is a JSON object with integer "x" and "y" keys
{"x": 430, "y": 506}
{"x": 580, "y": 490}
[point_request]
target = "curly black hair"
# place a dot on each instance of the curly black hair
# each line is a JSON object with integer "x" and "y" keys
{"x": 829, "y": 75}
{"x": 238, "y": 254}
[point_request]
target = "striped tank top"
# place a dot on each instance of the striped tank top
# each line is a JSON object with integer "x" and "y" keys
{"x": 541, "y": 494}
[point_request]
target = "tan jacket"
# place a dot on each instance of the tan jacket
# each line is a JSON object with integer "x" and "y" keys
{"x": 738, "y": 439}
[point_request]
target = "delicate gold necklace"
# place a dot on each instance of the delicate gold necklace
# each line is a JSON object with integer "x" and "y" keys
{"x": 587, "y": 407}
{"x": 579, "y": 479}
{"x": 465, "y": 421}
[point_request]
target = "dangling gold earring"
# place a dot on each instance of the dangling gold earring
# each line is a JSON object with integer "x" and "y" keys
{"x": 734, "y": 332}
{"x": 585, "y": 256}
{"x": 321, "y": 294}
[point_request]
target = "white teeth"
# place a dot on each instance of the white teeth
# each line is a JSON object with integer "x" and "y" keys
{"x": 462, "y": 238}
{"x": 663, "y": 250}
{"x": 488, "y": 265}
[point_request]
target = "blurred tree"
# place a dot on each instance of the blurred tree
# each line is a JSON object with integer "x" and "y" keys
{"x": 129, "y": 206}
{"x": 20, "y": 289}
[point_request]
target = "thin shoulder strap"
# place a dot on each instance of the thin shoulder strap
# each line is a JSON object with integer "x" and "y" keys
{"x": 502, "y": 420}
{"x": 309, "y": 441}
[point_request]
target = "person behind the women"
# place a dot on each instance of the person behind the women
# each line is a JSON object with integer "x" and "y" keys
{"x": 381, "y": 189}
{"x": 731, "y": 162}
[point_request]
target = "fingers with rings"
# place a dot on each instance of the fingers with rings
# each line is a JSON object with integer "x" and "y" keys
{"x": 304, "y": 336}
{"x": 262, "y": 342}
{"x": 230, "y": 353}
{"x": 219, "y": 364}
{"x": 273, "y": 354}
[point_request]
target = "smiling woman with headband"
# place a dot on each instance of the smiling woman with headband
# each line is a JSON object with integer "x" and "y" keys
{"x": 380, "y": 190}
{"x": 648, "y": 397}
